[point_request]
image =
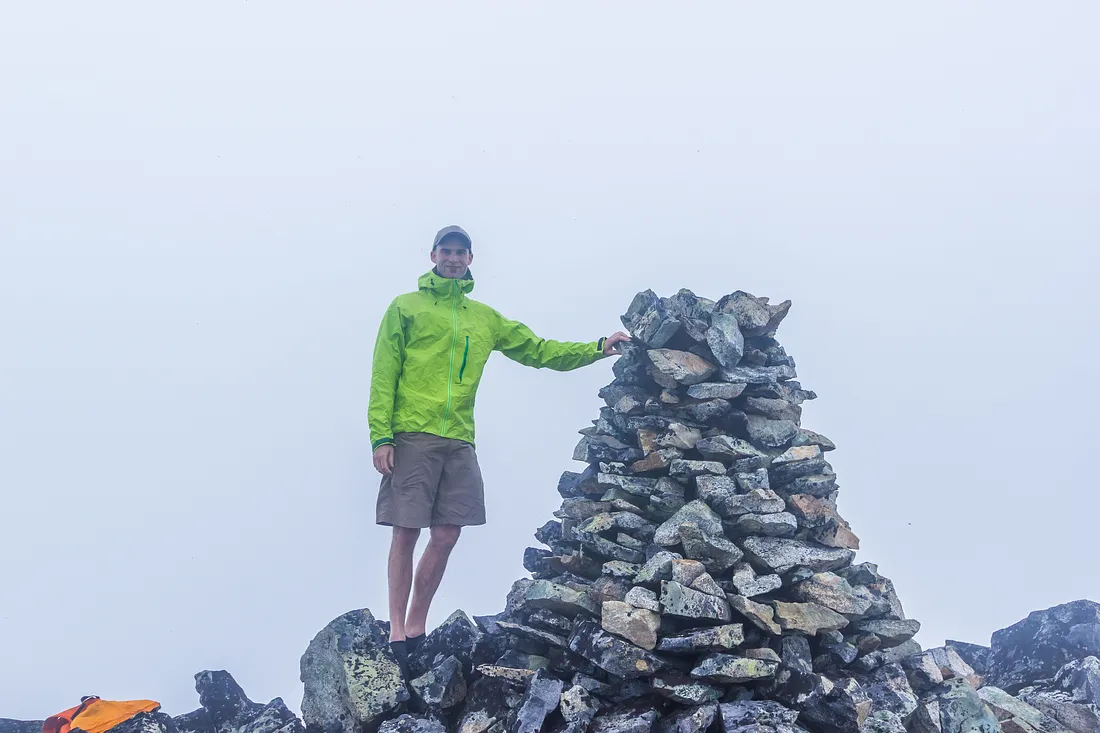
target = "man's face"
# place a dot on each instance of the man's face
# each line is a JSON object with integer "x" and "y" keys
{"x": 452, "y": 257}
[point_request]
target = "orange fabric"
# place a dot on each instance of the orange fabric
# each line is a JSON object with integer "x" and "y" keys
{"x": 97, "y": 716}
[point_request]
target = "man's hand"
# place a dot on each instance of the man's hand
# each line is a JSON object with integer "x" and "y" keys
{"x": 611, "y": 343}
{"x": 383, "y": 459}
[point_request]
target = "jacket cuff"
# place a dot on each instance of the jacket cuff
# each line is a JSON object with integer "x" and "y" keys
{"x": 381, "y": 442}
{"x": 599, "y": 344}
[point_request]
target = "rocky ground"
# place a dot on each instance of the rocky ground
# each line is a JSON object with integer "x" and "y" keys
{"x": 697, "y": 577}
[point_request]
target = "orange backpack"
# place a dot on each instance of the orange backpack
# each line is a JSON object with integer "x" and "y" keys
{"x": 93, "y": 715}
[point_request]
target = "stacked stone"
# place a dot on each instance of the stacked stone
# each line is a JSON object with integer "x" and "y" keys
{"x": 700, "y": 557}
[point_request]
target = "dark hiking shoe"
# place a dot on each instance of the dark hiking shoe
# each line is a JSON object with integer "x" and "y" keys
{"x": 400, "y": 651}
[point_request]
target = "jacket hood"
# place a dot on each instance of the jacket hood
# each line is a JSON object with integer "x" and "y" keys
{"x": 435, "y": 283}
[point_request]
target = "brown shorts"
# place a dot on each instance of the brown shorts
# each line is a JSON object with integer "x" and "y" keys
{"x": 435, "y": 481}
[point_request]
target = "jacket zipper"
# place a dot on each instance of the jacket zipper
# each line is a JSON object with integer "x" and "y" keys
{"x": 451, "y": 369}
{"x": 465, "y": 355}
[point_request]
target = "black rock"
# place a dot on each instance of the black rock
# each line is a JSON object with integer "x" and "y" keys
{"x": 541, "y": 698}
{"x": 350, "y": 675}
{"x": 7, "y": 725}
{"x": 457, "y": 636}
{"x": 692, "y": 720}
{"x": 633, "y": 719}
{"x": 842, "y": 710}
{"x": 763, "y": 713}
{"x": 976, "y": 655}
{"x": 1038, "y": 646}
{"x": 410, "y": 724}
{"x": 441, "y": 687}
{"x": 610, "y": 653}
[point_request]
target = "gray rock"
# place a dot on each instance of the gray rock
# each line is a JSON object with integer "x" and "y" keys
{"x": 706, "y": 411}
{"x": 636, "y": 625}
{"x": 685, "y": 572}
{"x": 489, "y": 705}
{"x": 658, "y": 567}
{"x": 679, "y": 367}
{"x": 780, "y": 524}
{"x": 780, "y": 555}
{"x": 769, "y": 433}
{"x": 834, "y": 592}
{"x": 843, "y": 709}
{"x": 725, "y": 340}
{"x": 550, "y": 621}
{"x": 755, "y": 316}
{"x": 757, "y": 374}
{"x": 976, "y": 655}
{"x": 698, "y": 512}
{"x": 807, "y": 618}
{"x": 541, "y": 698}
{"x": 883, "y": 721}
{"x": 1077, "y": 717}
{"x": 679, "y": 436}
{"x": 1015, "y": 715}
{"x": 713, "y": 639}
{"x": 889, "y": 689}
{"x": 442, "y": 687}
{"x": 923, "y": 672}
{"x": 756, "y": 715}
{"x": 351, "y": 678}
{"x": 715, "y": 391}
{"x": 8, "y": 725}
{"x": 796, "y": 654}
{"x": 951, "y": 665}
{"x": 706, "y": 584}
{"x": 715, "y": 551}
{"x": 620, "y": 569}
{"x": 751, "y": 481}
{"x": 648, "y": 320}
{"x": 727, "y": 449}
{"x": 625, "y": 721}
{"x": 726, "y": 668}
{"x": 1041, "y": 644}
{"x": 640, "y": 597}
{"x": 610, "y": 653}
{"x": 1081, "y": 679}
{"x": 809, "y": 437}
{"x": 534, "y": 634}
{"x": 686, "y": 692}
{"x": 409, "y": 724}
{"x": 891, "y": 631}
{"x": 696, "y": 719}
{"x": 578, "y": 708}
{"x": 721, "y": 493}
{"x": 760, "y": 615}
{"x": 224, "y": 709}
{"x": 682, "y": 602}
{"x": 747, "y": 583}
{"x": 962, "y": 711}
{"x": 773, "y": 409}
{"x": 690, "y": 469}
{"x": 558, "y": 598}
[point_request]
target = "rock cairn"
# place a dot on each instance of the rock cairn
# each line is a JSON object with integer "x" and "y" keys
{"x": 700, "y": 557}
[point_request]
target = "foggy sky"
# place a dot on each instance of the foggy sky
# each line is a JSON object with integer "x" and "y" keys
{"x": 205, "y": 208}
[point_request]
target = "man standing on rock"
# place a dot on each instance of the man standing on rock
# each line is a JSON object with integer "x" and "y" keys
{"x": 431, "y": 349}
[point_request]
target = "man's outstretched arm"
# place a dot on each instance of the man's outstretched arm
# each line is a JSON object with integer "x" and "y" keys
{"x": 519, "y": 343}
{"x": 389, "y": 355}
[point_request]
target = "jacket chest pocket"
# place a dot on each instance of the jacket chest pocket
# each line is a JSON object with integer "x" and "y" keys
{"x": 471, "y": 352}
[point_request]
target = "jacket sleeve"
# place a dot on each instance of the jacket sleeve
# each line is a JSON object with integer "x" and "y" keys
{"x": 389, "y": 356}
{"x": 519, "y": 343}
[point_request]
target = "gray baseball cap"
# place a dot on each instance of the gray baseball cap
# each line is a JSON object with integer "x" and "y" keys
{"x": 453, "y": 230}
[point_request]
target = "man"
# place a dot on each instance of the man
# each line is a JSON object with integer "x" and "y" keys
{"x": 432, "y": 347}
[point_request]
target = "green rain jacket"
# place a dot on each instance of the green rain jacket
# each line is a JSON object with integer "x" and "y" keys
{"x": 431, "y": 350}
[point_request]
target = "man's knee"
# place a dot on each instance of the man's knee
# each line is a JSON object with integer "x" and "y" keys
{"x": 446, "y": 535}
{"x": 404, "y": 539}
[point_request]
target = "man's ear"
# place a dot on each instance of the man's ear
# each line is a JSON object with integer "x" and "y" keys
{"x": 433, "y": 256}
{"x": 471, "y": 257}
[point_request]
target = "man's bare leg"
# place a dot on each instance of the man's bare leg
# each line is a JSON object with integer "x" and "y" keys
{"x": 429, "y": 572}
{"x": 400, "y": 570}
